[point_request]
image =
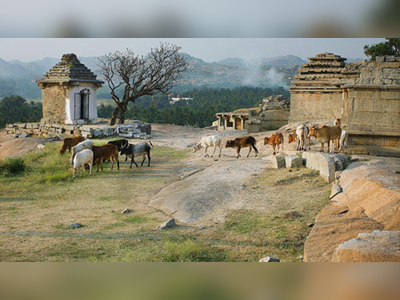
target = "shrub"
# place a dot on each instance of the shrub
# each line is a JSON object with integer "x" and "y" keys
{"x": 12, "y": 167}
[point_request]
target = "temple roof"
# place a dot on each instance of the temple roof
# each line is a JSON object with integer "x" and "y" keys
{"x": 70, "y": 69}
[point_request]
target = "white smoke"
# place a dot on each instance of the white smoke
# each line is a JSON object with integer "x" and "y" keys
{"x": 255, "y": 75}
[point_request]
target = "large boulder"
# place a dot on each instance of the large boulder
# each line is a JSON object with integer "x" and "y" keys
{"x": 377, "y": 246}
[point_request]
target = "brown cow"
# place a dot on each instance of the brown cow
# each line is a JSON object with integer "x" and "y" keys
{"x": 105, "y": 152}
{"x": 274, "y": 140}
{"x": 325, "y": 134}
{"x": 71, "y": 142}
{"x": 244, "y": 142}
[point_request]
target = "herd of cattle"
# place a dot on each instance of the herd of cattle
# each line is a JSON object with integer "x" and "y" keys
{"x": 86, "y": 154}
{"x": 321, "y": 133}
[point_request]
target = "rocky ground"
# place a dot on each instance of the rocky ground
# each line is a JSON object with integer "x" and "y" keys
{"x": 203, "y": 190}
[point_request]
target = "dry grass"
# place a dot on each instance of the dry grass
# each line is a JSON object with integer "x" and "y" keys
{"x": 36, "y": 208}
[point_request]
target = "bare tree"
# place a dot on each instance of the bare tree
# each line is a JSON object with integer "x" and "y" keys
{"x": 138, "y": 76}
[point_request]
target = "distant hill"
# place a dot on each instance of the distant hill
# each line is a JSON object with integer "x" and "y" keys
{"x": 18, "y": 77}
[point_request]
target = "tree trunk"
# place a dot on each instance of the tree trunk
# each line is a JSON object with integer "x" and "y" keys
{"x": 114, "y": 115}
{"x": 122, "y": 112}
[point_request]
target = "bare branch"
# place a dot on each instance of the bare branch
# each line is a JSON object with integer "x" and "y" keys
{"x": 156, "y": 72}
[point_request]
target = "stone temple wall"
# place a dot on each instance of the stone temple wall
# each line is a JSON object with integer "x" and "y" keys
{"x": 53, "y": 99}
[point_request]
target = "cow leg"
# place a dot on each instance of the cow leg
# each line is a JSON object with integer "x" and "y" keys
{"x": 273, "y": 147}
{"x": 206, "y": 151}
{"x": 69, "y": 149}
{"x": 101, "y": 166}
{"x": 238, "y": 152}
{"x": 130, "y": 167}
{"x": 112, "y": 165}
{"x": 126, "y": 158}
{"x": 220, "y": 150}
{"x": 90, "y": 168}
{"x": 215, "y": 148}
{"x": 133, "y": 158}
{"x": 144, "y": 158}
{"x": 322, "y": 147}
{"x": 249, "y": 151}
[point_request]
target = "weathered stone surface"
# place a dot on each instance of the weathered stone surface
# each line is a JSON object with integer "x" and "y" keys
{"x": 370, "y": 201}
{"x": 293, "y": 161}
{"x": 322, "y": 162}
{"x": 277, "y": 161}
{"x": 23, "y": 135}
{"x": 170, "y": 223}
{"x": 97, "y": 133}
{"x": 270, "y": 259}
{"x": 336, "y": 189}
{"x": 377, "y": 246}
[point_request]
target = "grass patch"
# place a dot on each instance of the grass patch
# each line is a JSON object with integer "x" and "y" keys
{"x": 135, "y": 220}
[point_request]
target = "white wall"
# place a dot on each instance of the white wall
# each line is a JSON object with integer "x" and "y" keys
{"x": 69, "y": 103}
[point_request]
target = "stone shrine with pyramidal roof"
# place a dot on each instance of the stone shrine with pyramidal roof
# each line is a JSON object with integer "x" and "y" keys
{"x": 69, "y": 93}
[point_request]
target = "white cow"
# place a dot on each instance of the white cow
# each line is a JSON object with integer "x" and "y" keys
{"x": 302, "y": 136}
{"x": 343, "y": 137}
{"x": 88, "y": 144}
{"x": 209, "y": 141}
{"x": 82, "y": 158}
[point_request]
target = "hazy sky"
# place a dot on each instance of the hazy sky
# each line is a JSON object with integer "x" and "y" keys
{"x": 208, "y": 49}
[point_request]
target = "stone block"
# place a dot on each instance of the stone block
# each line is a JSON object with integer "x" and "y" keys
{"x": 380, "y": 59}
{"x": 293, "y": 161}
{"x": 97, "y": 133}
{"x": 391, "y": 58}
{"x": 278, "y": 161}
{"x": 322, "y": 162}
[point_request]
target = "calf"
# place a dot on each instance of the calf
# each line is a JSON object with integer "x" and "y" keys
{"x": 343, "y": 137}
{"x": 120, "y": 144}
{"x": 209, "y": 141}
{"x": 274, "y": 140}
{"x": 302, "y": 136}
{"x": 106, "y": 151}
{"x": 88, "y": 144}
{"x": 143, "y": 149}
{"x": 325, "y": 134}
{"x": 81, "y": 159}
{"x": 244, "y": 142}
{"x": 68, "y": 143}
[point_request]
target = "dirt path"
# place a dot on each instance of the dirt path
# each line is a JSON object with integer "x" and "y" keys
{"x": 209, "y": 187}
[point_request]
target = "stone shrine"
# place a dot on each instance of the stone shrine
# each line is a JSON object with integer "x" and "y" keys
{"x": 69, "y": 93}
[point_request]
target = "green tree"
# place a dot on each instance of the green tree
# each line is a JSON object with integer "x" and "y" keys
{"x": 17, "y": 109}
{"x": 390, "y": 47}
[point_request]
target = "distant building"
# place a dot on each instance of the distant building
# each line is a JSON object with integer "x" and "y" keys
{"x": 69, "y": 93}
{"x": 176, "y": 99}
{"x": 232, "y": 120}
